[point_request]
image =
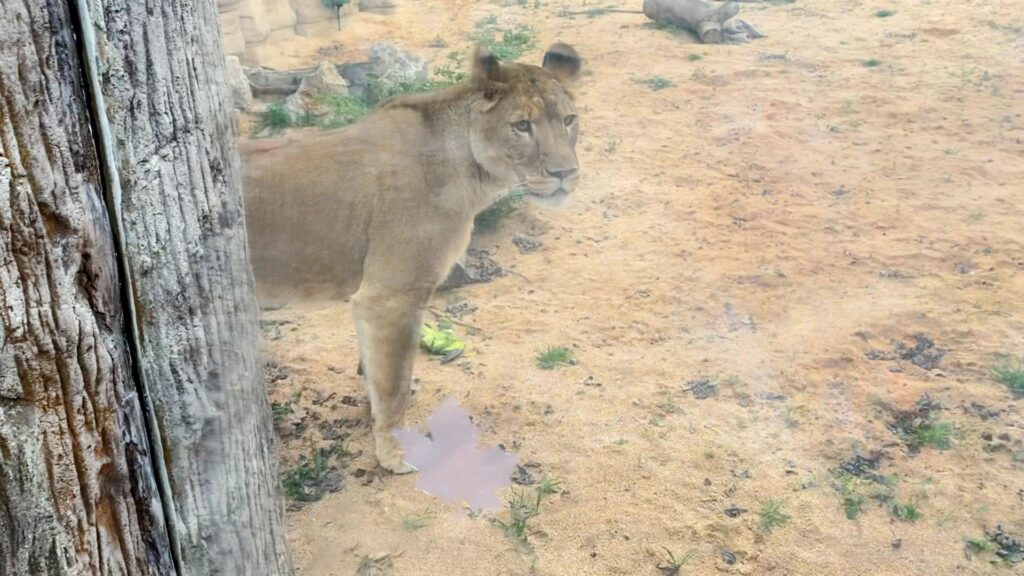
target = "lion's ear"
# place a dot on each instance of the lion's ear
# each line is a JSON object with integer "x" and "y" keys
{"x": 563, "y": 62}
{"x": 486, "y": 72}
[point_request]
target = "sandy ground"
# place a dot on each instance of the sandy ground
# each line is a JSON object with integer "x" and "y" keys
{"x": 766, "y": 222}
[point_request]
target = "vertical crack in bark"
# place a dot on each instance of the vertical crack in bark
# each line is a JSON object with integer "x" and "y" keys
{"x": 81, "y": 21}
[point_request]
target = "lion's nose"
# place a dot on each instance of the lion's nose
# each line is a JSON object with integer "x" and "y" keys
{"x": 563, "y": 173}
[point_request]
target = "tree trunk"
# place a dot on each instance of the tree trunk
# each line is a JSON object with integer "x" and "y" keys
{"x": 77, "y": 488}
{"x": 77, "y": 494}
{"x": 174, "y": 132}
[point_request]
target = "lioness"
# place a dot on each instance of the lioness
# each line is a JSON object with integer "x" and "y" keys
{"x": 382, "y": 209}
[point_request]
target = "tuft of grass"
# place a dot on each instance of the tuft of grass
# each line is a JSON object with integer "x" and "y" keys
{"x": 884, "y": 13}
{"x": 504, "y": 44}
{"x": 908, "y": 512}
{"x": 672, "y": 564}
{"x": 438, "y": 42}
{"x": 279, "y": 411}
{"x": 979, "y": 545}
{"x": 343, "y": 110}
{"x": 497, "y": 212}
{"x": 419, "y": 520}
{"x": 548, "y": 486}
{"x": 1011, "y": 375}
{"x": 936, "y": 434}
{"x": 656, "y": 82}
{"x": 312, "y": 478}
{"x": 772, "y": 514}
{"x": 920, "y": 427}
{"x": 853, "y": 505}
{"x": 273, "y": 120}
{"x": 872, "y": 63}
{"x": 522, "y": 508}
{"x": 693, "y": 57}
{"x": 611, "y": 146}
{"x": 553, "y": 357}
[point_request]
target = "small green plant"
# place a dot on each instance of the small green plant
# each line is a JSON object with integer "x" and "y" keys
{"x": 273, "y": 120}
{"x": 279, "y": 411}
{"x": 553, "y": 357}
{"x": 693, "y": 57}
{"x": 497, "y": 212}
{"x": 504, "y": 44}
{"x": 872, "y": 63}
{"x": 976, "y": 545}
{"x": 342, "y": 110}
{"x": 656, "y": 82}
{"x": 908, "y": 512}
{"x": 772, "y": 514}
{"x": 419, "y": 520}
{"x": 522, "y": 508}
{"x": 672, "y": 564}
{"x": 936, "y": 434}
{"x": 312, "y": 478}
{"x": 1012, "y": 375}
{"x": 884, "y": 13}
{"x": 853, "y": 505}
{"x": 611, "y": 145}
{"x": 548, "y": 486}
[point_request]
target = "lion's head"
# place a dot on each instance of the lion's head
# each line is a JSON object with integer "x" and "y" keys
{"x": 525, "y": 127}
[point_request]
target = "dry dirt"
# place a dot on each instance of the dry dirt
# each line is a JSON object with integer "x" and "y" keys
{"x": 770, "y": 222}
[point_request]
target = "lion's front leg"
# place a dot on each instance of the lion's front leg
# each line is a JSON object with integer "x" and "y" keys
{"x": 387, "y": 325}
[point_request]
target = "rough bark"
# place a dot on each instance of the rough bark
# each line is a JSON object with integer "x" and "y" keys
{"x": 167, "y": 100}
{"x": 77, "y": 494}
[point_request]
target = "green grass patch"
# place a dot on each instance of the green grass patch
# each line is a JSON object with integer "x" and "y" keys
{"x": 655, "y": 83}
{"x": 884, "y": 13}
{"x": 871, "y": 63}
{"x": 853, "y": 505}
{"x": 553, "y": 356}
{"x": 313, "y": 476}
{"x": 693, "y": 57}
{"x": 548, "y": 486}
{"x": 772, "y": 514}
{"x": 273, "y": 120}
{"x": 935, "y": 434}
{"x": 671, "y": 564}
{"x": 908, "y": 512}
{"x": 522, "y": 508}
{"x": 342, "y": 110}
{"x": 1011, "y": 375}
{"x": 419, "y": 520}
{"x": 504, "y": 44}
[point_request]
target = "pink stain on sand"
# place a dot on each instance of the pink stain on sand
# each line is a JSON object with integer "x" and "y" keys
{"x": 450, "y": 465}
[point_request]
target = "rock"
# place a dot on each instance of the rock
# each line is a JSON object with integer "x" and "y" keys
{"x": 475, "y": 267}
{"x": 308, "y": 99}
{"x": 387, "y": 64}
{"x": 246, "y": 25}
{"x": 238, "y": 84}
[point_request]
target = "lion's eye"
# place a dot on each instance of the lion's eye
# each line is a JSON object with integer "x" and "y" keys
{"x": 570, "y": 119}
{"x": 523, "y": 126}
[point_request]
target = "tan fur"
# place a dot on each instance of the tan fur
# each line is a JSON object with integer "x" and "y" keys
{"x": 382, "y": 209}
